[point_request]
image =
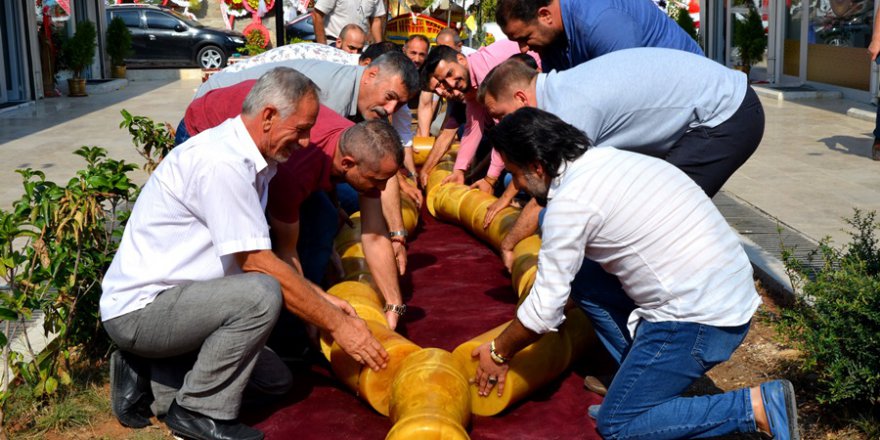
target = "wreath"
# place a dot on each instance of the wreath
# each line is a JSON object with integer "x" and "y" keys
{"x": 253, "y": 5}
{"x": 257, "y": 27}
{"x": 235, "y": 8}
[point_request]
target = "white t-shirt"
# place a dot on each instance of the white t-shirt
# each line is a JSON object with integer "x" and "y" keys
{"x": 203, "y": 204}
{"x": 339, "y": 13}
{"x": 649, "y": 224}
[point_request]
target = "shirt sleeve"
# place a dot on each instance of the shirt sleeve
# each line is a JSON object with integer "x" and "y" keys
{"x": 231, "y": 208}
{"x": 325, "y": 6}
{"x": 475, "y": 122}
{"x": 496, "y": 165}
{"x": 613, "y": 30}
{"x": 401, "y": 120}
{"x": 569, "y": 224}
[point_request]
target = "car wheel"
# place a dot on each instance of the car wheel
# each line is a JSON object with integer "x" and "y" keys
{"x": 211, "y": 57}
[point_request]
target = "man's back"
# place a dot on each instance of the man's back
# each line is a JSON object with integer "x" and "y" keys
{"x": 597, "y": 27}
{"x": 642, "y": 99}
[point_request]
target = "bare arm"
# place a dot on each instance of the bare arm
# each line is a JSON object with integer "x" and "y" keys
{"x": 874, "y": 47}
{"x": 425, "y": 113}
{"x": 377, "y": 28}
{"x": 379, "y": 254}
{"x": 394, "y": 218}
{"x": 315, "y": 307}
{"x": 526, "y": 225}
{"x": 286, "y": 239}
{"x": 501, "y": 203}
{"x": 441, "y": 146}
{"x": 318, "y": 19}
{"x": 513, "y": 339}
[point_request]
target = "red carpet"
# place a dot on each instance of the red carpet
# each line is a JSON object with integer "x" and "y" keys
{"x": 456, "y": 288}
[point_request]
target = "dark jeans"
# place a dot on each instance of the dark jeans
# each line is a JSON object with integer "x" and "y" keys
{"x": 710, "y": 156}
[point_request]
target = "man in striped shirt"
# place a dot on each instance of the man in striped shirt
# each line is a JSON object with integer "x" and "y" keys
{"x": 689, "y": 280}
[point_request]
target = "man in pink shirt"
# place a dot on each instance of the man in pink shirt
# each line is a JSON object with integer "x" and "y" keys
{"x": 457, "y": 77}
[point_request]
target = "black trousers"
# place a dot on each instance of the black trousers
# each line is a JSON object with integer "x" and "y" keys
{"x": 711, "y": 155}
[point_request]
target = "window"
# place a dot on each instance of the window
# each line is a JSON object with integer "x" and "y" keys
{"x": 158, "y": 20}
{"x": 131, "y": 18}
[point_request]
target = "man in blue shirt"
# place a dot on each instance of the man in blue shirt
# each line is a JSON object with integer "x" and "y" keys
{"x": 569, "y": 32}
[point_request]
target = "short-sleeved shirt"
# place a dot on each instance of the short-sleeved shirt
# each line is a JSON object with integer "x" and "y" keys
{"x": 339, "y": 13}
{"x": 308, "y": 169}
{"x": 203, "y": 204}
{"x": 597, "y": 27}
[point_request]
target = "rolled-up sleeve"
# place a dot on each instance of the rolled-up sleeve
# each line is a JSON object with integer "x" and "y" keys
{"x": 568, "y": 225}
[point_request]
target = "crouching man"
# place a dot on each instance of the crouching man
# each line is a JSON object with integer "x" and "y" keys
{"x": 195, "y": 273}
{"x": 690, "y": 282}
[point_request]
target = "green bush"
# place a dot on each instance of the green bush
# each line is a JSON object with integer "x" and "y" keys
{"x": 686, "y": 23}
{"x": 79, "y": 50}
{"x": 835, "y": 321}
{"x": 118, "y": 41}
{"x": 749, "y": 38}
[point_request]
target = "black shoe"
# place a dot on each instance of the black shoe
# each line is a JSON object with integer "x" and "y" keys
{"x": 192, "y": 425}
{"x": 130, "y": 393}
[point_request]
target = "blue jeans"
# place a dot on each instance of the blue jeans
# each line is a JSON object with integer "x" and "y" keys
{"x": 601, "y": 297}
{"x": 349, "y": 199}
{"x": 644, "y": 400}
{"x": 318, "y": 225}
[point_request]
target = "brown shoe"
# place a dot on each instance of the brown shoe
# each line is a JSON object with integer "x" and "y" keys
{"x": 875, "y": 149}
{"x": 597, "y": 384}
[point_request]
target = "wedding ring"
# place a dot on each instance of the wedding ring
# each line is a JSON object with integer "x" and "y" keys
{"x": 493, "y": 380}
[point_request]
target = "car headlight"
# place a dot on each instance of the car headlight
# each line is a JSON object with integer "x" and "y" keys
{"x": 236, "y": 40}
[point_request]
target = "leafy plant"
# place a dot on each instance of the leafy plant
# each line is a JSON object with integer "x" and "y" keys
{"x": 255, "y": 43}
{"x": 152, "y": 140}
{"x": 835, "y": 321}
{"x": 749, "y": 38}
{"x": 55, "y": 246}
{"x": 79, "y": 50}
{"x": 118, "y": 41}
{"x": 685, "y": 21}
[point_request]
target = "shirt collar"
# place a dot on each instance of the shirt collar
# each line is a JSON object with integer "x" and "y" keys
{"x": 557, "y": 181}
{"x": 359, "y": 70}
{"x": 249, "y": 149}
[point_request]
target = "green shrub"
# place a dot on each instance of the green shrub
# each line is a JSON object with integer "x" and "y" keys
{"x": 79, "y": 50}
{"x": 151, "y": 140}
{"x": 686, "y": 23}
{"x": 835, "y": 321}
{"x": 255, "y": 43}
{"x": 118, "y": 41}
{"x": 749, "y": 38}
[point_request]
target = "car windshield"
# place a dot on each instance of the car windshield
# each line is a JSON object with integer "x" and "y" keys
{"x": 184, "y": 18}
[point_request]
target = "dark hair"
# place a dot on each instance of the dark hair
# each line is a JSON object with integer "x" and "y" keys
{"x": 370, "y": 141}
{"x": 437, "y": 54}
{"x": 376, "y": 50}
{"x": 419, "y": 37}
{"x": 531, "y": 135}
{"x": 526, "y": 59}
{"x": 523, "y": 10}
{"x": 505, "y": 76}
{"x": 395, "y": 63}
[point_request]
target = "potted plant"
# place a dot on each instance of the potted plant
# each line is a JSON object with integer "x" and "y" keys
{"x": 79, "y": 52}
{"x": 118, "y": 46}
{"x": 749, "y": 39}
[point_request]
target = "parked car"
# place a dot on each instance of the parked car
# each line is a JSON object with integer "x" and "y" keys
{"x": 301, "y": 27}
{"x": 165, "y": 36}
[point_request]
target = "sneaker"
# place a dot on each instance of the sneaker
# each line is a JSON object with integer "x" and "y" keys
{"x": 781, "y": 408}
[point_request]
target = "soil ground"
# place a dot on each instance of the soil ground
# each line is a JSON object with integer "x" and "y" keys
{"x": 761, "y": 357}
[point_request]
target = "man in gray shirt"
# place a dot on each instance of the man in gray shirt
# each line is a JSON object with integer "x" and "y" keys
{"x": 330, "y": 16}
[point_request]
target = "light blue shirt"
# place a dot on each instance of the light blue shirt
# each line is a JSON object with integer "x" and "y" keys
{"x": 642, "y": 99}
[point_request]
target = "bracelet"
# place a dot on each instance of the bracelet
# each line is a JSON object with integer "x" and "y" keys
{"x": 406, "y": 173}
{"x": 400, "y": 233}
{"x": 497, "y": 358}
{"x": 490, "y": 180}
{"x": 399, "y": 309}
{"x": 398, "y": 239}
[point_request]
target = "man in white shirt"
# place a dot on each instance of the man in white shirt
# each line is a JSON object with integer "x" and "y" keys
{"x": 352, "y": 39}
{"x": 689, "y": 280}
{"x": 195, "y": 273}
{"x": 330, "y": 16}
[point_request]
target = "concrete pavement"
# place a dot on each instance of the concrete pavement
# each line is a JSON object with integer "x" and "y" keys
{"x": 812, "y": 168}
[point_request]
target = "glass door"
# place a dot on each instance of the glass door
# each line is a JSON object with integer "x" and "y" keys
{"x": 838, "y": 34}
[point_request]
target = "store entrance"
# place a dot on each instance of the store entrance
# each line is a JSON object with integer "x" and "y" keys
{"x": 12, "y": 61}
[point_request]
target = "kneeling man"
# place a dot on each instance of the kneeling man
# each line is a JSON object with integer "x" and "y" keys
{"x": 195, "y": 273}
{"x": 648, "y": 224}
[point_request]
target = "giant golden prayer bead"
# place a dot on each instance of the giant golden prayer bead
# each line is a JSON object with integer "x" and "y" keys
{"x": 430, "y": 397}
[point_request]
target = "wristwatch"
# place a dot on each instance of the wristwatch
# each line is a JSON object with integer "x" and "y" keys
{"x": 399, "y": 309}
